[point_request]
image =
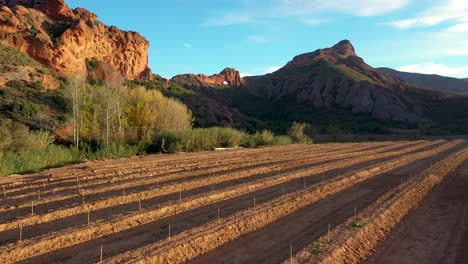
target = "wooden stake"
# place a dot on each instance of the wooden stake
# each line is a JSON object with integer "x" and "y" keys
{"x": 282, "y": 193}
{"x": 355, "y": 215}
{"x": 139, "y": 204}
{"x": 83, "y": 198}
{"x": 290, "y": 253}
{"x": 169, "y": 230}
{"x": 21, "y": 234}
{"x": 218, "y": 213}
{"x": 100, "y": 259}
{"x": 32, "y": 207}
{"x": 88, "y": 218}
{"x": 254, "y": 201}
{"x": 328, "y": 234}
{"x": 4, "y": 192}
{"x": 180, "y": 194}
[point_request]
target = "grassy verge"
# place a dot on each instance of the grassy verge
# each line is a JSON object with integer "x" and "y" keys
{"x": 169, "y": 141}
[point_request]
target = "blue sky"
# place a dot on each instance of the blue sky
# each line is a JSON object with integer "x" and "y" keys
{"x": 257, "y": 36}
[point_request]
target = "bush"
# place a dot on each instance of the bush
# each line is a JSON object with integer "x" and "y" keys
{"x": 263, "y": 138}
{"x": 92, "y": 64}
{"x": 298, "y": 133}
{"x": 198, "y": 139}
{"x": 52, "y": 156}
{"x": 114, "y": 151}
{"x": 17, "y": 138}
{"x": 282, "y": 140}
{"x": 28, "y": 109}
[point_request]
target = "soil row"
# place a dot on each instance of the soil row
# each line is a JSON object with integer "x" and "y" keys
{"x": 152, "y": 171}
{"x": 180, "y": 187}
{"x": 354, "y": 240}
{"x": 73, "y": 173}
{"x": 42, "y": 245}
{"x": 192, "y": 243}
{"x": 138, "y": 185}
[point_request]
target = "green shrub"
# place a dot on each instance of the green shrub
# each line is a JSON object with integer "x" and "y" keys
{"x": 262, "y": 138}
{"x": 17, "y": 138}
{"x": 198, "y": 139}
{"x": 298, "y": 132}
{"x": 52, "y": 156}
{"x": 282, "y": 140}
{"x": 56, "y": 31}
{"x": 92, "y": 64}
{"x": 114, "y": 151}
{"x": 28, "y": 109}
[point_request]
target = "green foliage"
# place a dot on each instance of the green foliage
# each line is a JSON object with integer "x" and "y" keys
{"x": 122, "y": 115}
{"x": 114, "y": 151}
{"x": 17, "y": 138}
{"x": 314, "y": 250}
{"x": 51, "y": 156}
{"x": 357, "y": 225}
{"x": 265, "y": 137}
{"x": 198, "y": 139}
{"x": 92, "y": 64}
{"x": 298, "y": 132}
{"x": 13, "y": 56}
{"x": 56, "y": 31}
{"x": 282, "y": 140}
{"x": 27, "y": 109}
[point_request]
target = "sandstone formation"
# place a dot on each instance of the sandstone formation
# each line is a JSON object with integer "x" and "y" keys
{"x": 62, "y": 38}
{"x": 337, "y": 78}
{"x": 228, "y": 76}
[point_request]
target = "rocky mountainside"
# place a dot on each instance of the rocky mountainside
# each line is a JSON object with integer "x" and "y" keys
{"x": 330, "y": 88}
{"x": 337, "y": 78}
{"x": 68, "y": 40}
{"x": 433, "y": 81}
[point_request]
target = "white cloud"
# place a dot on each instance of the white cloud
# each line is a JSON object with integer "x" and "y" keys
{"x": 463, "y": 27}
{"x": 434, "y": 68}
{"x": 259, "y": 39}
{"x": 245, "y": 74}
{"x": 187, "y": 45}
{"x": 447, "y": 10}
{"x": 314, "y": 21}
{"x": 271, "y": 69}
{"x": 304, "y": 8}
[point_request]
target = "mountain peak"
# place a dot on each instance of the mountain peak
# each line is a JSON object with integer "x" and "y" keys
{"x": 344, "y": 47}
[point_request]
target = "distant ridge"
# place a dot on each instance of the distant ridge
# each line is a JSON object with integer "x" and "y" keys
{"x": 433, "y": 81}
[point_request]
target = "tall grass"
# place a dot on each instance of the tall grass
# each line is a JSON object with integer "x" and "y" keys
{"x": 51, "y": 156}
{"x": 198, "y": 139}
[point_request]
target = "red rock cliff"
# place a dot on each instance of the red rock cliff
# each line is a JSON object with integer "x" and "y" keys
{"x": 64, "y": 39}
{"x": 229, "y": 76}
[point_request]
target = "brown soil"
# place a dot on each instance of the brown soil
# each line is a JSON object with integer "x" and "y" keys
{"x": 197, "y": 241}
{"x": 343, "y": 176}
{"x": 353, "y": 245}
{"x": 436, "y": 232}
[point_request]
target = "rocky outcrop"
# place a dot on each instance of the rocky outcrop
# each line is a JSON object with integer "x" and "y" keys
{"x": 337, "y": 78}
{"x": 64, "y": 39}
{"x": 228, "y": 76}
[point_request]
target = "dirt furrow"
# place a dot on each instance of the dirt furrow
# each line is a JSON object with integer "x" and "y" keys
{"x": 352, "y": 245}
{"x": 98, "y": 194}
{"x": 172, "y": 188}
{"x": 220, "y": 166}
{"x": 89, "y": 174}
{"x": 75, "y": 236}
{"x": 189, "y": 245}
{"x": 117, "y": 177}
{"x": 436, "y": 232}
